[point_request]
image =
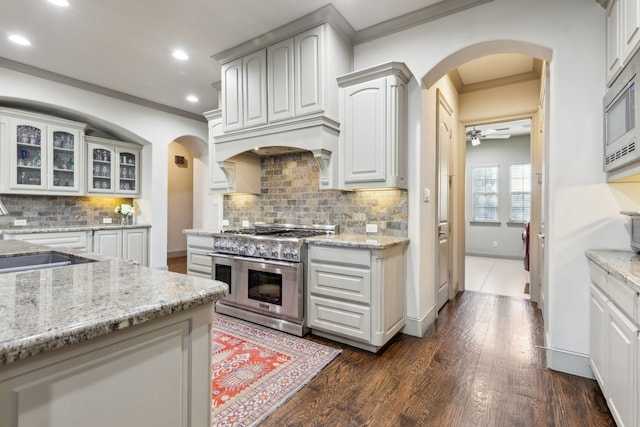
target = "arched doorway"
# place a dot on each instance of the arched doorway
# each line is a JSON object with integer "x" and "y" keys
{"x": 497, "y": 98}
{"x": 186, "y": 194}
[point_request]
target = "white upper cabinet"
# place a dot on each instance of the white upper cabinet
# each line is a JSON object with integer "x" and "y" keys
{"x": 280, "y": 80}
{"x": 113, "y": 167}
{"x": 630, "y": 18}
{"x": 374, "y": 121}
{"x": 232, "y": 105}
{"x": 40, "y": 154}
{"x": 614, "y": 47}
{"x": 254, "y": 88}
{"x": 244, "y": 91}
{"x": 292, "y": 78}
{"x": 623, "y": 35}
{"x": 309, "y": 59}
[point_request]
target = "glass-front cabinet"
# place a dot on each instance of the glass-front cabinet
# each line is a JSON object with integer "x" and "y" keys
{"x": 41, "y": 154}
{"x": 63, "y": 152}
{"x": 113, "y": 167}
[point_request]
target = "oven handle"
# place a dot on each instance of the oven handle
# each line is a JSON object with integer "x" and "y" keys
{"x": 220, "y": 255}
{"x": 255, "y": 260}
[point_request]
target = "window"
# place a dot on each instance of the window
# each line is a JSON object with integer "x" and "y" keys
{"x": 520, "y": 187}
{"x": 485, "y": 193}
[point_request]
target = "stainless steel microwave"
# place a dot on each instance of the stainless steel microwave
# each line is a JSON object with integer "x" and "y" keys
{"x": 621, "y": 121}
{"x": 635, "y": 229}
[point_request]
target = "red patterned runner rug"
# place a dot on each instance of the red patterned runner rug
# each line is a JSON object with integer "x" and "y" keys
{"x": 256, "y": 369}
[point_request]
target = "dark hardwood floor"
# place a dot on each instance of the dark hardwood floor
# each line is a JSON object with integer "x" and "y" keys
{"x": 478, "y": 365}
{"x": 178, "y": 264}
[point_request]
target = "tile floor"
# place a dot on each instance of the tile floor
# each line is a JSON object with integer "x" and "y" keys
{"x": 496, "y": 276}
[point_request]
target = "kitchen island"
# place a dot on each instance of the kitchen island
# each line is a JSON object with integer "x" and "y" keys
{"x": 104, "y": 343}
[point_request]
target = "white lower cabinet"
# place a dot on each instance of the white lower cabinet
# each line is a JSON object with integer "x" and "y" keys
{"x": 199, "y": 263}
{"x": 620, "y": 374}
{"x": 67, "y": 239}
{"x": 127, "y": 243}
{"x": 154, "y": 374}
{"x": 613, "y": 332}
{"x": 356, "y": 295}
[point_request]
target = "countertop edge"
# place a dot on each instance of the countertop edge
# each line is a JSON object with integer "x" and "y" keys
{"x": 37, "y": 230}
{"x": 618, "y": 263}
{"x": 362, "y": 241}
{"x": 24, "y": 348}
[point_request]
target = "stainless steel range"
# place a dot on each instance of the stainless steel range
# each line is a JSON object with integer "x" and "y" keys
{"x": 264, "y": 268}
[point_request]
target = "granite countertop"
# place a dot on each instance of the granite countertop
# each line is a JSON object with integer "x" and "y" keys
{"x": 61, "y": 229}
{"x": 624, "y": 265}
{"x": 358, "y": 241}
{"x": 364, "y": 241}
{"x": 41, "y": 310}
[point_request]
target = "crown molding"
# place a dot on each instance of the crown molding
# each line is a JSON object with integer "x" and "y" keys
{"x": 326, "y": 14}
{"x": 80, "y": 84}
{"x": 411, "y": 19}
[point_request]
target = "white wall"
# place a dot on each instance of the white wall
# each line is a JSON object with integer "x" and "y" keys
{"x": 480, "y": 237}
{"x": 179, "y": 199}
{"x": 582, "y": 209}
{"x": 153, "y": 128}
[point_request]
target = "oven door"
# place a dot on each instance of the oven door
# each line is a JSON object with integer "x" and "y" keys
{"x": 223, "y": 269}
{"x": 274, "y": 287}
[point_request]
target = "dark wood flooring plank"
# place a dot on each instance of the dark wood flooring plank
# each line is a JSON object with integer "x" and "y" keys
{"x": 478, "y": 365}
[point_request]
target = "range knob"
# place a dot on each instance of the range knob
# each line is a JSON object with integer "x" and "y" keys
{"x": 242, "y": 249}
{"x": 262, "y": 251}
{"x": 234, "y": 248}
{"x": 274, "y": 251}
{"x": 286, "y": 252}
{"x": 251, "y": 249}
{"x": 294, "y": 253}
{"x": 216, "y": 244}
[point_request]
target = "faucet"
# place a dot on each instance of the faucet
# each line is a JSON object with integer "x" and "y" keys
{"x": 3, "y": 209}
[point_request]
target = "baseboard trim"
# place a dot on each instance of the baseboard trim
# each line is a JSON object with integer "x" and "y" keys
{"x": 418, "y": 327}
{"x": 569, "y": 362}
{"x": 176, "y": 254}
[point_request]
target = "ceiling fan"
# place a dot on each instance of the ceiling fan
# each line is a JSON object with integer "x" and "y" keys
{"x": 474, "y": 135}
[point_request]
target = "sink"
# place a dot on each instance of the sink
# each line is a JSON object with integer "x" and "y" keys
{"x": 13, "y": 263}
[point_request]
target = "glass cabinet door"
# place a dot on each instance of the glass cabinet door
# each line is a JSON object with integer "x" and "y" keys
{"x": 26, "y": 150}
{"x": 64, "y": 152}
{"x": 101, "y": 168}
{"x": 128, "y": 171}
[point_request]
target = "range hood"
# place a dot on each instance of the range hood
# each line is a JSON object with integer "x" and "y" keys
{"x": 316, "y": 134}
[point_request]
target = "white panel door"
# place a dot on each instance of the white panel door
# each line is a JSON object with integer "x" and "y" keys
{"x": 232, "y": 95}
{"x": 614, "y": 45}
{"x": 620, "y": 371}
{"x": 364, "y": 132}
{"x": 598, "y": 323}
{"x": 280, "y": 80}
{"x": 630, "y": 27}
{"x": 309, "y": 71}
{"x": 108, "y": 243}
{"x": 134, "y": 245}
{"x": 444, "y": 140}
{"x": 254, "y": 88}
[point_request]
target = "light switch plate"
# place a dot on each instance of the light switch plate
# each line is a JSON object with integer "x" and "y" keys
{"x": 246, "y": 224}
{"x": 107, "y": 220}
{"x": 19, "y": 222}
{"x": 372, "y": 228}
{"x": 225, "y": 222}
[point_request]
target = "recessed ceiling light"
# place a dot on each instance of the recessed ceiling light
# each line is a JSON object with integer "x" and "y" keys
{"x": 192, "y": 98}
{"x": 19, "y": 40}
{"x": 61, "y": 3}
{"x": 180, "y": 54}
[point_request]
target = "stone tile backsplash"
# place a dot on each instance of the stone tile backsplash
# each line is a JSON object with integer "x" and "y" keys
{"x": 289, "y": 194}
{"x": 58, "y": 211}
